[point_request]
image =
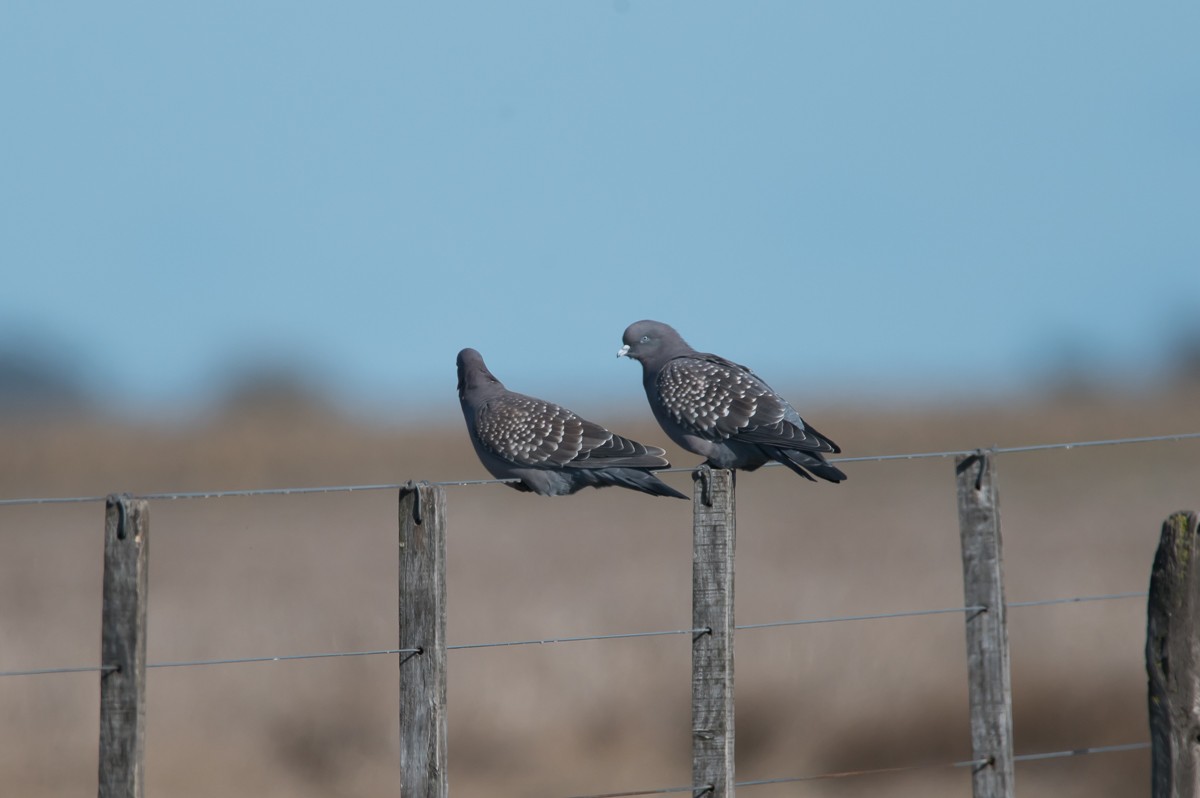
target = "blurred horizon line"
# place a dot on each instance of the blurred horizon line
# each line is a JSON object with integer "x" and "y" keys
{"x": 41, "y": 376}
{"x": 289, "y": 393}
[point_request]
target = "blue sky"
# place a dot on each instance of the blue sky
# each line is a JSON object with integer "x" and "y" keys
{"x": 856, "y": 199}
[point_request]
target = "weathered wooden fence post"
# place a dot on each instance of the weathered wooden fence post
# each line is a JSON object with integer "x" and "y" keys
{"x": 988, "y": 677}
{"x": 1173, "y": 660}
{"x": 423, "y": 627}
{"x": 713, "y": 535}
{"x": 123, "y": 648}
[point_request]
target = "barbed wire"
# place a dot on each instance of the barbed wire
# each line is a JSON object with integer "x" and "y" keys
{"x": 700, "y": 789}
{"x": 219, "y": 494}
{"x": 583, "y": 638}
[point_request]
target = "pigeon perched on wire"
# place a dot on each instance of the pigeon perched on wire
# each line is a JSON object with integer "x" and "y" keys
{"x": 551, "y": 450}
{"x": 720, "y": 410}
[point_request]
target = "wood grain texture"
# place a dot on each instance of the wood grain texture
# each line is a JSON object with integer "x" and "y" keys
{"x": 123, "y": 646}
{"x": 988, "y": 670}
{"x": 423, "y": 626}
{"x": 714, "y": 533}
{"x": 1172, "y": 657}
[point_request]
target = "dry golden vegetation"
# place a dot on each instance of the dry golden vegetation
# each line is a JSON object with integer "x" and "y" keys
{"x": 276, "y": 575}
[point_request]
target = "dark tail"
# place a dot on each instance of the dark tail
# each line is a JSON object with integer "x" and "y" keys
{"x": 799, "y": 461}
{"x": 637, "y": 479}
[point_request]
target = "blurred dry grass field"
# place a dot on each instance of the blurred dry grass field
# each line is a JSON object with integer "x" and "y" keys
{"x": 277, "y": 575}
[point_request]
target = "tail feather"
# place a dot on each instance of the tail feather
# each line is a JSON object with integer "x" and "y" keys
{"x": 637, "y": 479}
{"x": 803, "y": 462}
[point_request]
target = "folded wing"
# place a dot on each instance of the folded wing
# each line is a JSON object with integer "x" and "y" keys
{"x": 533, "y": 432}
{"x": 719, "y": 400}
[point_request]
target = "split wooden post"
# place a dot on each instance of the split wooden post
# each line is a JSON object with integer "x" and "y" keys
{"x": 423, "y": 628}
{"x": 988, "y": 674}
{"x": 1173, "y": 660}
{"x": 123, "y": 648}
{"x": 713, "y": 536}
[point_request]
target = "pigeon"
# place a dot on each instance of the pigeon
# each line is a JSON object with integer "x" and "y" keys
{"x": 720, "y": 410}
{"x": 552, "y": 451}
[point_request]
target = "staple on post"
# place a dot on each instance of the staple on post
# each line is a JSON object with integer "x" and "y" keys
{"x": 714, "y": 535}
{"x": 413, "y": 485}
{"x": 703, "y": 477}
{"x": 988, "y": 670}
{"x": 123, "y": 647}
{"x": 1172, "y": 647}
{"x": 422, "y": 597}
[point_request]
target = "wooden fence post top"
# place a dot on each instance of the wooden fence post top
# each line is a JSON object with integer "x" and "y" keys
{"x": 713, "y": 540}
{"x": 123, "y": 647}
{"x": 988, "y": 669}
{"x": 122, "y": 513}
{"x": 422, "y": 598}
{"x": 1173, "y": 659}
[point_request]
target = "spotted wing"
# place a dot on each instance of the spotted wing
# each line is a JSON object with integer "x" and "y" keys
{"x": 533, "y": 432}
{"x": 718, "y": 400}
{"x": 529, "y": 432}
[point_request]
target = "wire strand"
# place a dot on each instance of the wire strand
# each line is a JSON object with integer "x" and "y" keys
{"x": 231, "y": 661}
{"x": 218, "y": 494}
{"x": 1078, "y": 599}
{"x": 941, "y": 611}
{"x": 583, "y": 638}
{"x": 373, "y": 652}
{"x": 869, "y": 617}
{"x": 44, "y": 671}
{"x": 282, "y": 658}
{"x": 844, "y": 774}
{"x": 1100, "y": 749}
{"x": 630, "y": 793}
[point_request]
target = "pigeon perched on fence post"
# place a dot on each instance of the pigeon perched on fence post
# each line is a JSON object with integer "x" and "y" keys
{"x": 720, "y": 410}
{"x": 548, "y": 448}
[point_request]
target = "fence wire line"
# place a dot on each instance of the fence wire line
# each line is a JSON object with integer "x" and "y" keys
{"x": 942, "y": 611}
{"x": 869, "y": 617}
{"x": 44, "y": 671}
{"x": 282, "y": 658}
{"x": 1078, "y": 599}
{"x": 218, "y": 494}
{"x": 843, "y": 774}
{"x": 1100, "y": 749}
{"x": 374, "y": 652}
{"x": 233, "y": 661}
{"x": 582, "y": 638}
{"x": 659, "y": 791}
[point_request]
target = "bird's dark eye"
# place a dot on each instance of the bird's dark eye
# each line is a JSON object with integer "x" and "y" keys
{"x": 645, "y": 339}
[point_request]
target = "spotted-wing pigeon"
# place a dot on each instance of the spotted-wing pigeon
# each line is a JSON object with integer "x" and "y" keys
{"x": 720, "y": 410}
{"x": 550, "y": 449}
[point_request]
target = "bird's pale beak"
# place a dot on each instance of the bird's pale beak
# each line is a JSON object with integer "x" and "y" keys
{"x": 623, "y": 351}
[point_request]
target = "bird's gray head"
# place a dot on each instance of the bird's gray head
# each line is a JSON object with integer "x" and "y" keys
{"x": 473, "y": 373}
{"x": 652, "y": 342}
